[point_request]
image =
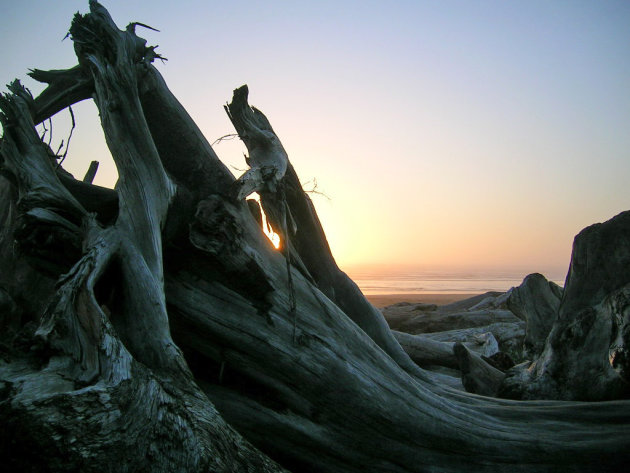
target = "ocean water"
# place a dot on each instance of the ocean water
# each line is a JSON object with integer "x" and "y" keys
{"x": 375, "y": 280}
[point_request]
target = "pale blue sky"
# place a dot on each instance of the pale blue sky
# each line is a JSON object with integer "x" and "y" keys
{"x": 448, "y": 132}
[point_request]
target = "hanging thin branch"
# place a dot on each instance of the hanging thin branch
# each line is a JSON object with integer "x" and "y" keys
{"x": 50, "y": 132}
{"x": 43, "y": 137}
{"x": 69, "y": 137}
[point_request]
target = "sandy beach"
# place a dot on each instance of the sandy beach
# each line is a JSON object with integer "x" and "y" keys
{"x": 383, "y": 300}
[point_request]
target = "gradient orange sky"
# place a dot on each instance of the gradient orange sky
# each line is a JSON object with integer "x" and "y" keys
{"x": 449, "y": 133}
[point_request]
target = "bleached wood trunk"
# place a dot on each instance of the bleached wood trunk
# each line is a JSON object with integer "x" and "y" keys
{"x": 170, "y": 301}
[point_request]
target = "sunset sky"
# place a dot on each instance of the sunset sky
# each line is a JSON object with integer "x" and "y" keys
{"x": 443, "y": 133}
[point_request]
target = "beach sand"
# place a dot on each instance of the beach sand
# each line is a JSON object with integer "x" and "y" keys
{"x": 383, "y": 300}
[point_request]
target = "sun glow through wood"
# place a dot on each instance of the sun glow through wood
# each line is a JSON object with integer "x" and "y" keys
{"x": 267, "y": 229}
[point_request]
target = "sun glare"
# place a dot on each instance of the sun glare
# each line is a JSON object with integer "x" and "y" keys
{"x": 268, "y": 231}
{"x": 274, "y": 238}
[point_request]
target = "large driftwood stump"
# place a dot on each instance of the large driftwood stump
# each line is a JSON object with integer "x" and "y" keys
{"x": 161, "y": 331}
{"x": 585, "y": 356}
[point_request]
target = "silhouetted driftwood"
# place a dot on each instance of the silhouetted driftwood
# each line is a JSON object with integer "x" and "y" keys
{"x": 159, "y": 330}
{"x": 585, "y": 356}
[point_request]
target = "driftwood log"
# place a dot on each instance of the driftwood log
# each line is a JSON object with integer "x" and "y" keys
{"x": 537, "y": 302}
{"x": 153, "y": 327}
{"x": 585, "y": 355}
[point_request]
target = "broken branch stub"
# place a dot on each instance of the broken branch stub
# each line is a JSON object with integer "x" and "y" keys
{"x": 267, "y": 158}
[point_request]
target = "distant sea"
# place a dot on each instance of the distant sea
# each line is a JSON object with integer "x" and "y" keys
{"x": 375, "y": 280}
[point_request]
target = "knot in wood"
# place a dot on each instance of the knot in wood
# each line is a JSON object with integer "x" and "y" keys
{"x": 214, "y": 228}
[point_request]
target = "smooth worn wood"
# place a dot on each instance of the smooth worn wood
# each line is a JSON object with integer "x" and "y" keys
{"x": 536, "y": 301}
{"x": 477, "y": 376}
